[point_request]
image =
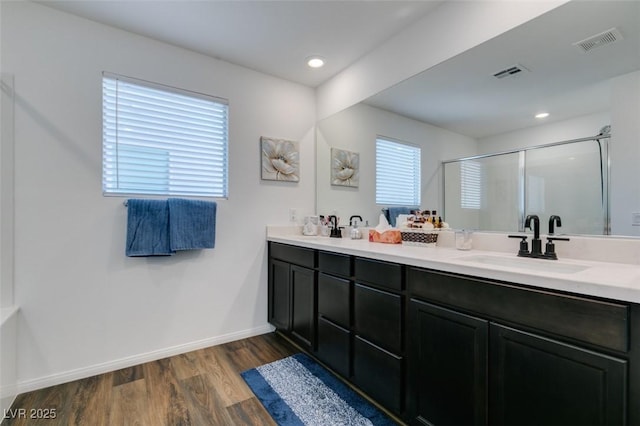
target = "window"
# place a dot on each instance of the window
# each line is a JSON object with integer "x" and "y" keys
{"x": 397, "y": 173}
{"x": 470, "y": 184}
{"x": 161, "y": 140}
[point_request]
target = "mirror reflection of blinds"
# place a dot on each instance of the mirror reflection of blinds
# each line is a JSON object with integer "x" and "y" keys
{"x": 470, "y": 184}
{"x": 397, "y": 173}
{"x": 162, "y": 141}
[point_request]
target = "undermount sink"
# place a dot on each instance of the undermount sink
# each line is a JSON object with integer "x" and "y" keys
{"x": 525, "y": 263}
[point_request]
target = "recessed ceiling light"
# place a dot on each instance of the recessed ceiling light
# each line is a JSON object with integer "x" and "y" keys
{"x": 315, "y": 61}
{"x": 542, "y": 115}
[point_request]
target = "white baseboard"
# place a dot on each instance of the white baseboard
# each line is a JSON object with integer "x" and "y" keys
{"x": 81, "y": 373}
{"x": 7, "y": 400}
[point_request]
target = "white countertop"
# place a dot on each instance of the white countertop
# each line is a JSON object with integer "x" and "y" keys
{"x": 602, "y": 279}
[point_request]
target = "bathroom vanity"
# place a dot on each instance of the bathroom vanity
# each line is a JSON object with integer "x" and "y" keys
{"x": 441, "y": 336}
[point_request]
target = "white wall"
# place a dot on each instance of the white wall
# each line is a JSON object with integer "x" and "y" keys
{"x": 85, "y": 307}
{"x": 355, "y": 129}
{"x": 8, "y": 357}
{"x": 8, "y": 314}
{"x": 452, "y": 28}
{"x": 6, "y": 188}
{"x": 625, "y": 153}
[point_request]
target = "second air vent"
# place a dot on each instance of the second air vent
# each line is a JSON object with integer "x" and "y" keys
{"x": 607, "y": 37}
{"x": 511, "y": 71}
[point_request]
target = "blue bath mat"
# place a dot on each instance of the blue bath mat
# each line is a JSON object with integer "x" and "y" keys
{"x": 297, "y": 391}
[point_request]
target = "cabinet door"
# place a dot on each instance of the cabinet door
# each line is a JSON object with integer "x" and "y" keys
{"x": 279, "y": 292}
{"x": 302, "y": 304}
{"x": 447, "y": 366}
{"x": 539, "y": 381}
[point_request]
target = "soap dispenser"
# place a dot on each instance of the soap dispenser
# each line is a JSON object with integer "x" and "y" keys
{"x": 355, "y": 234}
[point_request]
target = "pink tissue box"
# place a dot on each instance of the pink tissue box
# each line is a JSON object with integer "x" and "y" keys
{"x": 391, "y": 236}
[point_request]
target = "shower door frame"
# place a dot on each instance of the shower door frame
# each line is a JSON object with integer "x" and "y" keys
{"x": 602, "y": 139}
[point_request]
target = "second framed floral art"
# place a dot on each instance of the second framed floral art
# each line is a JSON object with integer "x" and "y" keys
{"x": 280, "y": 159}
{"x": 345, "y": 168}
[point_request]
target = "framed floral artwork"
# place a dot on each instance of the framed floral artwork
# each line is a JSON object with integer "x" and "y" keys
{"x": 280, "y": 159}
{"x": 345, "y": 167}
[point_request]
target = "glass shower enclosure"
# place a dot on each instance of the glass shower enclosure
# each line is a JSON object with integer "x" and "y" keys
{"x": 495, "y": 192}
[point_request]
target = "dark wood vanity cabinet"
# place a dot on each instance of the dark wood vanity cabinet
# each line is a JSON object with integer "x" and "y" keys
{"x": 469, "y": 367}
{"x": 541, "y": 381}
{"x": 440, "y": 348}
{"x": 279, "y": 309}
{"x": 292, "y": 288}
{"x": 448, "y": 366}
{"x": 360, "y": 325}
{"x": 303, "y": 287}
{"x": 353, "y": 322}
{"x": 334, "y": 322}
{"x": 378, "y": 352}
{"x": 334, "y": 343}
{"x": 378, "y": 360}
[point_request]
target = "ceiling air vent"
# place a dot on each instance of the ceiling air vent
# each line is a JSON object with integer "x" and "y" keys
{"x": 610, "y": 36}
{"x": 512, "y": 71}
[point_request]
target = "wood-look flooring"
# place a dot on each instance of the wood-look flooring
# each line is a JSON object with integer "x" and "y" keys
{"x": 200, "y": 388}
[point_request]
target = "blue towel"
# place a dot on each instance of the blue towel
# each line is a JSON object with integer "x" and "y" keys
{"x": 148, "y": 228}
{"x": 192, "y": 224}
{"x": 395, "y": 211}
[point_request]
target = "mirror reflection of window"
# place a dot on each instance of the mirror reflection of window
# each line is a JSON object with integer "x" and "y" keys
{"x": 471, "y": 185}
{"x": 535, "y": 194}
{"x": 482, "y": 193}
{"x": 397, "y": 173}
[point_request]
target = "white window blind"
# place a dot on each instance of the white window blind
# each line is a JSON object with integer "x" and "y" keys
{"x": 470, "y": 184}
{"x": 397, "y": 173}
{"x": 161, "y": 140}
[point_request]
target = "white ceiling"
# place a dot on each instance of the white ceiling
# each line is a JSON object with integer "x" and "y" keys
{"x": 273, "y": 37}
{"x": 462, "y": 95}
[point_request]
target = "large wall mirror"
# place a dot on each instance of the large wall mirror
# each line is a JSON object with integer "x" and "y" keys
{"x": 579, "y": 62}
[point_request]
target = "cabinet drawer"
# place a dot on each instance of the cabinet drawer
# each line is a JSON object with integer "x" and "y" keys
{"x": 380, "y": 273}
{"x": 333, "y": 299}
{"x": 333, "y": 263}
{"x": 292, "y": 254}
{"x": 378, "y": 373}
{"x": 378, "y": 317}
{"x": 334, "y": 346}
{"x": 598, "y": 322}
